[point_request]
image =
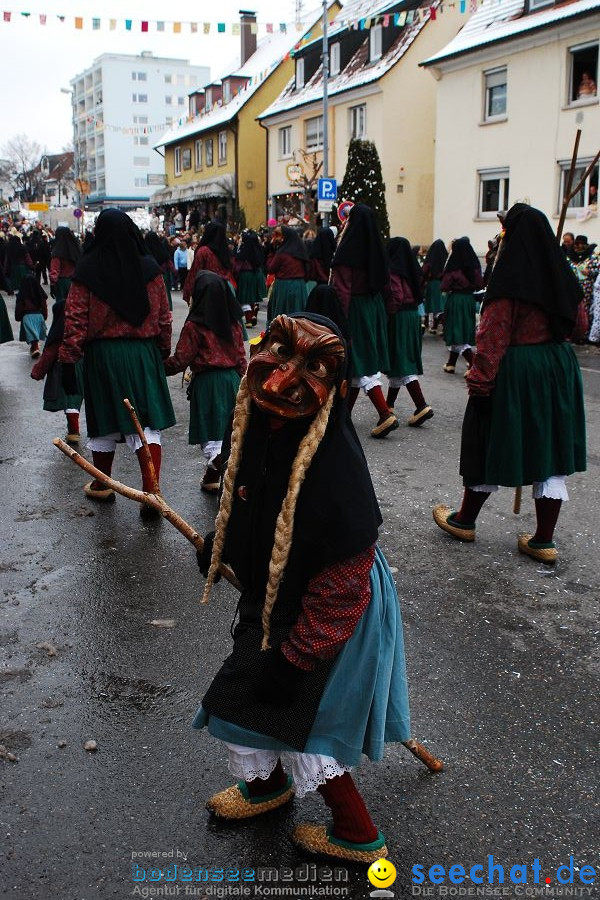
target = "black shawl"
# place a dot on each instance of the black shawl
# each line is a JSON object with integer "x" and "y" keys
{"x": 250, "y": 250}
{"x": 114, "y": 266}
{"x": 65, "y": 245}
{"x": 157, "y": 248}
{"x": 292, "y": 244}
{"x": 323, "y": 247}
{"x": 213, "y": 305}
{"x": 215, "y": 238}
{"x": 361, "y": 247}
{"x": 436, "y": 259}
{"x": 531, "y": 266}
{"x": 403, "y": 263}
{"x": 464, "y": 259}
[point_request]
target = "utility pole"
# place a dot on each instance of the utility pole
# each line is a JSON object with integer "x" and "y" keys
{"x": 325, "y": 104}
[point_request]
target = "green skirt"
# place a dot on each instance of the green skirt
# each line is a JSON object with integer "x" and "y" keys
{"x": 435, "y": 301}
{"x": 6, "y": 332}
{"x": 405, "y": 340}
{"x": 212, "y": 399}
{"x": 368, "y": 326}
{"x": 288, "y": 295}
{"x": 459, "y": 320}
{"x": 536, "y": 427}
{"x": 17, "y": 275}
{"x": 61, "y": 288}
{"x": 117, "y": 368}
{"x": 252, "y": 287}
{"x": 55, "y": 399}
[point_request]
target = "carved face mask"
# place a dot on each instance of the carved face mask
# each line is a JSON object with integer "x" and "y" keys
{"x": 294, "y": 370}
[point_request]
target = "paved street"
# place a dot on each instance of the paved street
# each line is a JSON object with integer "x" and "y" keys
{"x": 502, "y": 660}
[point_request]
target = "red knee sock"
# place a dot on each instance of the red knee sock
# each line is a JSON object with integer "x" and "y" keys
{"x": 470, "y": 507}
{"x": 547, "y": 512}
{"x": 352, "y": 396}
{"x": 391, "y": 397}
{"x": 416, "y": 395}
{"x": 260, "y": 787}
{"x": 156, "y": 455}
{"x": 351, "y": 819}
{"x": 468, "y": 355}
{"x": 72, "y": 423}
{"x": 102, "y": 461}
{"x": 376, "y": 397}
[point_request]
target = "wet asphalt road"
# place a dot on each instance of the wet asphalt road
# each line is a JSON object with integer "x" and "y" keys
{"x": 502, "y": 659}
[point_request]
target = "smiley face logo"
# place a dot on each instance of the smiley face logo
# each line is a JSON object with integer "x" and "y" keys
{"x": 381, "y": 873}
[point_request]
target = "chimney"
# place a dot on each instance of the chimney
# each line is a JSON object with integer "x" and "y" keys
{"x": 247, "y": 19}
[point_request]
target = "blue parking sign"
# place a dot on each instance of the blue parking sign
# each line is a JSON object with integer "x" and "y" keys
{"x": 327, "y": 189}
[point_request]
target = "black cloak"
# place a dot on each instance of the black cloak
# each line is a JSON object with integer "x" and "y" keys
{"x": 215, "y": 238}
{"x": 251, "y": 251}
{"x": 531, "y": 266}
{"x": 214, "y": 306}
{"x": 323, "y": 247}
{"x": 436, "y": 259}
{"x": 65, "y": 245}
{"x": 403, "y": 263}
{"x": 464, "y": 259}
{"x": 361, "y": 247}
{"x": 114, "y": 266}
{"x": 292, "y": 244}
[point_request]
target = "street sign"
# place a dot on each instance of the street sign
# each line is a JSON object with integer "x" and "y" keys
{"x": 325, "y": 205}
{"x": 37, "y": 207}
{"x": 157, "y": 179}
{"x": 78, "y": 213}
{"x": 327, "y": 189}
{"x": 294, "y": 172}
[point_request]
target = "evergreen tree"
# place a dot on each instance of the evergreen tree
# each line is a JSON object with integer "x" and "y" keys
{"x": 363, "y": 181}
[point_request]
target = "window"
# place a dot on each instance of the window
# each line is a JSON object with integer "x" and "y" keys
{"x": 168, "y": 100}
{"x": 140, "y": 120}
{"x": 285, "y": 142}
{"x": 314, "y": 133}
{"x": 334, "y": 59}
{"x": 493, "y": 192}
{"x": 138, "y": 76}
{"x": 583, "y": 68}
{"x": 140, "y": 182}
{"x": 169, "y": 120}
{"x": 375, "y": 43}
{"x": 168, "y": 79}
{"x": 197, "y": 155}
{"x": 299, "y": 73}
{"x": 181, "y": 79}
{"x": 178, "y": 160}
{"x": 186, "y": 158}
{"x": 208, "y": 99}
{"x": 140, "y": 98}
{"x": 358, "y": 121}
{"x": 209, "y": 152}
{"x": 181, "y": 101}
{"x": 533, "y": 5}
{"x": 222, "y": 147}
{"x": 495, "y": 94}
{"x": 141, "y": 140}
{"x": 587, "y": 195}
{"x": 141, "y": 160}
{"x": 226, "y": 91}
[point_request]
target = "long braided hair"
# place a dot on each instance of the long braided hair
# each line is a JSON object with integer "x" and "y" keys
{"x": 284, "y": 528}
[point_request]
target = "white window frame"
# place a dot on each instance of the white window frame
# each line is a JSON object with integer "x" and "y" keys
{"x": 178, "y": 169}
{"x": 299, "y": 73}
{"x": 500, "y": 174}
{"x": 375, "y": 42}
{"x": 582, "y": 199}
{"x": 574, "y": 101}
{"x": 222, "y": 147}
{"x": 226, "y": 91}
{"x": 208, "y": 99}
{"x": 285, "y": 142}
{"x": 493, "y": 78}
{"x": 197, "y": 155}
{"x": 334, "y": 59}
{"x": 317, "y": 141}
{"x": 355, "y": 115}
{"x": 209, "y": 152}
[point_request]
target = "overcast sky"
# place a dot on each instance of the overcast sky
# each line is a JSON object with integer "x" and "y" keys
{"x": 38, "y": 60}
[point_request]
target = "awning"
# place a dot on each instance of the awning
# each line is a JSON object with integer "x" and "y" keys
{"x": 223, "y": 186}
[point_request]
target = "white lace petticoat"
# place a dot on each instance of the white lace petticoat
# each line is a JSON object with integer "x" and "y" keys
{"x": 308, "y": 770}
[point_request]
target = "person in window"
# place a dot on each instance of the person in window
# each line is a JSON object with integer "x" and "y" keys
{"x": 587, "y": 87}
{"x": 461, "y": 278}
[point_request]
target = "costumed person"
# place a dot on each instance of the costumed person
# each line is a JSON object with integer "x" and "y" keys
{"x": 212, "y": 255}
{"x": 402, "y": 298}
{"x": 318, "y": 602}
{"x": 6, "y": 332}
{"x": 289, "y": 266}
{"x": 18, "y": 262}
{"x": 117, "y": 318}
{"x": 212, "y": 345}
{"x": 249, "y": 270}
{"x": 321, "y": 253}
{"x": 31, "y": 310}
{"x": 359, "y": 273}
{"x": 64, "y": 255}
{"x": 524, "y": 422}
{"x": 461, "y": 278}
{"x": 433, "y": 267}
{"x": 159, "y": 249}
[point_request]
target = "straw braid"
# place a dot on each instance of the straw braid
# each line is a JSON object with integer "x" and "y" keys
{"x": 241, "y": 419}
{"x": 284, "y": 528}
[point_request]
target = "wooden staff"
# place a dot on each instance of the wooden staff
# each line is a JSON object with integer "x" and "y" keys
{"x": 144, "y": 449}
{"x": 423, "y": 755}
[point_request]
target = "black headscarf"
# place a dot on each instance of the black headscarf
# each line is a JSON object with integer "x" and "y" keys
{"x": 15, "y": 251}
{"x": 87, "y": 240}
{"x": 65, "y": 245}
{"x": 213, "y": 305}
{"x": 436, "y": 258}
{"x": 403, "y": 263}
{"x": 292, "y": 244}
{"x": 215, "y": 238}
{"x": 361, "y": 247}
{"x": 250, "y": 250}
{"x": 157, "y": 248}
{"x": 114, "y": 266}
{"x": 464, "y": 259}
{"x": 531, "y": 266}
{"x": 324, "y": 301}
{"x": 323, "y": 247}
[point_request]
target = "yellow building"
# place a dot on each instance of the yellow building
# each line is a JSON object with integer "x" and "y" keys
{"x": 219, "y": 158}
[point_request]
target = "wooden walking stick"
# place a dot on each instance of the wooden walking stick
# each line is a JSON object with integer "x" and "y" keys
{"x": 144, "y": 449}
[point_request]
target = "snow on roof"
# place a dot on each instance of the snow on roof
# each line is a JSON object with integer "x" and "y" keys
{"x": 356, "y": 74}
{"x": 495, "y": 21}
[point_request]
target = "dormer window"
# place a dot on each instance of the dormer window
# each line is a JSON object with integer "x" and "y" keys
{"x": 208, "y": 99}
{"x": 375, "y": 43}
{"x": 226, "y": 91}
{"x": 534, "y": 5}
{"x": 334, "y": 59}
{"x": 299, "y": 73}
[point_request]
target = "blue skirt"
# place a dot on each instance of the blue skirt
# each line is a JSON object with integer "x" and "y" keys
{"x": 33, "y": 328}
{"x": 365, "y": 702}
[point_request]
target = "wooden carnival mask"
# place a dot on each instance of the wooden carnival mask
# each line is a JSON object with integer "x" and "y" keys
{"x": 293, "y": 371}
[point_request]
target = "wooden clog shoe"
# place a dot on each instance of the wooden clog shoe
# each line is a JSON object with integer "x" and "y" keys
{"x": 544, "y": 553}
{"x": 318, "y": 839}
{"x": 442, "y": 516}
{"x": 101, "y": 494}
{"x": 235, "y": 802}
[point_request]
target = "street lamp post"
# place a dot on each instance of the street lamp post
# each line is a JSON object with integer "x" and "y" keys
{"x": 325, "y": 104}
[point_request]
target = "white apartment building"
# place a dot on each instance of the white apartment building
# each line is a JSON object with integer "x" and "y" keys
{"x": 120, "y": 105}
